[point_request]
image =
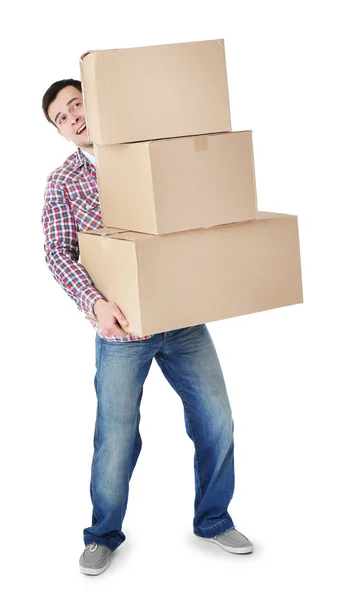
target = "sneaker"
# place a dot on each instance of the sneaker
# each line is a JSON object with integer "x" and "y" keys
{"x": 94, "y": 559}
{"x": 232, "y": 541}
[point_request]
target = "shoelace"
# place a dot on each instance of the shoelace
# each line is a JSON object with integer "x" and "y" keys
{"x": 93, "y": 547}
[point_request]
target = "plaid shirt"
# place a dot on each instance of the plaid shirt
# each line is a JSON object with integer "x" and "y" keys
{"x": 72, "y": 204}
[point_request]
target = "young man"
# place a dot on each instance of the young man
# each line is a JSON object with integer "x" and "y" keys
{"x": 187, "y": 358}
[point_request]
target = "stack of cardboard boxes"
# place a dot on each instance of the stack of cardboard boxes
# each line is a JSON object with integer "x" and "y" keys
{"x": 184, "y": 243}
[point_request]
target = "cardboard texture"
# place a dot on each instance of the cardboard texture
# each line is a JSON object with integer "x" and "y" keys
{"x": 177, "y": 184}
{"x": 181, "y": 279}
{"x": 154, "y": 92}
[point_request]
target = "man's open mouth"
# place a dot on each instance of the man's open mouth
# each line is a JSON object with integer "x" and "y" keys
{"x": 80, "y": 130}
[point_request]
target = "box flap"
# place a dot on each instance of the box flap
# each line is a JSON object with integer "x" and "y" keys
{"x": 118, "y": 234}
{"x": 85, "y": 54}
{"x": 271, "y": 215}
{"x": 104, "y": 231}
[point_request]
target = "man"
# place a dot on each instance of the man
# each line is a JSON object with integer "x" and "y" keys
{"x": 187, "y": 358}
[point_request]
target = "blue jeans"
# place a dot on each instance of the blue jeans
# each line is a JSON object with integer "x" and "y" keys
{"x": 189, "y": 362}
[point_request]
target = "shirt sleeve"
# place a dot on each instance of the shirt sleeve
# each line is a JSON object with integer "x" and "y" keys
{"x": 62, "y": 249}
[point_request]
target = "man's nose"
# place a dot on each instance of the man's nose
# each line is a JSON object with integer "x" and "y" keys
{"x": 75, "y": 120}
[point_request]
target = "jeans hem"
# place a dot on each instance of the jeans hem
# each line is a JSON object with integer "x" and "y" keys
{"x": 217, "y": 529}
{"x": 101, "y": 541}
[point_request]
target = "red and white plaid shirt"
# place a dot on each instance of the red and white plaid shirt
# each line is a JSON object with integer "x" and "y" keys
{"x": 71, "y": 205}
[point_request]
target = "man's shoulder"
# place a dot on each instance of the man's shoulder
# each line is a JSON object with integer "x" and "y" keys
{"x": 67, "y": 172}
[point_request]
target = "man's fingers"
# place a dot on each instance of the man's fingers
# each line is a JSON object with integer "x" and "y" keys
{"x": 114, "y": 320}
{"x": 119, "y": 331}
{"x": 122, "y": 321}
{"x": 119, "y": 320}
{"x": 120, "y": 317}
{"x": 115, "y": 330}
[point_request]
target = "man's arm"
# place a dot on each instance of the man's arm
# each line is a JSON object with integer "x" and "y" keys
{"x": 62, "y": 249}
{"x": 62, "y": 254}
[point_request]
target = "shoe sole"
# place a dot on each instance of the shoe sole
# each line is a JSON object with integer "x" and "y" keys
{"x": 233, "y": 550}
{"x": 88, "y": 571}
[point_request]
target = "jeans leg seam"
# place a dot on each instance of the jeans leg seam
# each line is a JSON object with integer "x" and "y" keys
{"x": 96, "y": 439}
{"x": 190, "y": 421}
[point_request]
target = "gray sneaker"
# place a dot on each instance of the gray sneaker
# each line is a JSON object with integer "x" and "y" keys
{"x": 232, "y": 541}
{"x": 94, "y": 559}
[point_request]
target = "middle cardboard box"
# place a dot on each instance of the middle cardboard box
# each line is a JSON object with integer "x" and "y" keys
{"x": 177, "y": 184}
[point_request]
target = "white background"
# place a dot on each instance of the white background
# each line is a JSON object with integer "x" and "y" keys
{"x": 283, "y": 368}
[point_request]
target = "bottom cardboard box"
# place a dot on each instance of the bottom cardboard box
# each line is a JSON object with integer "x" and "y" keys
{"x": 165, "y": 282}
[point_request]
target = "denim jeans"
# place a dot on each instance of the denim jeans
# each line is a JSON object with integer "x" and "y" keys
{"x": 189, "y": 362}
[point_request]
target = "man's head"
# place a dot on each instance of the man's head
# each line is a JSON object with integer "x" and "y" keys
{"x": 63, "y": 107}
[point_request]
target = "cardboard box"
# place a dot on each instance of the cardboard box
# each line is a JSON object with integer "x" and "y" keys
{"x": 154, "y": 92}
{"x": 171, "y": 281}
{"x": 165, "y": 186}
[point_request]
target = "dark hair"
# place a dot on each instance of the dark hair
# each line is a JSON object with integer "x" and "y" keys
{"x": 52, "y": 92}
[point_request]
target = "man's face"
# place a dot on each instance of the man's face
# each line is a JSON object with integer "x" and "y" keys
{"x": 67, "y": 112}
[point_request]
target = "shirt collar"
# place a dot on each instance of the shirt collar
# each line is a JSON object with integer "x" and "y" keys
{"x": 82, "y": 160}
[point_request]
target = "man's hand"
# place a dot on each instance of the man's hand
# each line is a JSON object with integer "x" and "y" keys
{"x": 110, "y": 318}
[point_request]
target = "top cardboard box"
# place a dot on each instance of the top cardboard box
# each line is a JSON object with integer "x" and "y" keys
{"x": 155, "y": 92}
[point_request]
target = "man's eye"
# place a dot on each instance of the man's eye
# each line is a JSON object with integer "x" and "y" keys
{"x": 62, "y": 119}
{"x": 77, "y": 104}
